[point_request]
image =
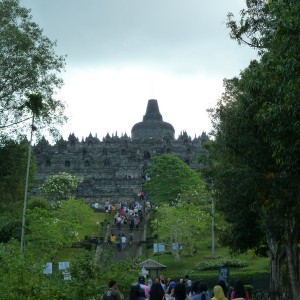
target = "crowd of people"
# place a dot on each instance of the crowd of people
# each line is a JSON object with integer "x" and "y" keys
{"x": 127, "y": 219}
{"x": 184, "y": 289}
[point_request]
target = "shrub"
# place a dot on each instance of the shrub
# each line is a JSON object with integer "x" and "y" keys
{"x": 220, "y": 262}
{"x": 38, "y": 202}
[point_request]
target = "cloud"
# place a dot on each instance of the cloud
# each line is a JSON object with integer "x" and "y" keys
{"x": 123, "y": 52}
{"x": 180, "y": 36}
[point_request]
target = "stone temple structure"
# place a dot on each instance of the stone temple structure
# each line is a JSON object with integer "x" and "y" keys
{"x": 114, "y": 169}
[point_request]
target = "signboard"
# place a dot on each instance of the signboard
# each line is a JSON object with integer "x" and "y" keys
{"x": 224, "y": 275}
{"x": 48, "y": 268}
{"x": 63, "y": 265}
{"x": 175, "y": 246}
{"x": 158, "y": 248}
{"x": 67, "y": 275}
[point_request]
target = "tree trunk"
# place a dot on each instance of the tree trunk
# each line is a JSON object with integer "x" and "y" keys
{"x": 292, "y": 253}
{"x": 190, "y": 247}
{"x": 276, "y": 255}
{"x": 177, "y": 256}
{"x": 175, "y": 252}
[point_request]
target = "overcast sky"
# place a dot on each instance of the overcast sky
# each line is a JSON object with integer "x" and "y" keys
{"x": 120, "y": 53}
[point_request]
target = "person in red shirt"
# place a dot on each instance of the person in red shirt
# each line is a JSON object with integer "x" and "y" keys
{"x": 239, "y": 291}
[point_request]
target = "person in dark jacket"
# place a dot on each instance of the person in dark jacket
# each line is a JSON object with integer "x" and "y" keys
{"x": 112, "y": 293}
{"x": 180, "y": 292}
{"x": 136, "y": 292}
{"x": 239, "y": 291}
{"x": 156, "y": 291}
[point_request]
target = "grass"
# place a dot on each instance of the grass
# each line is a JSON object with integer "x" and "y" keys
{"x": 174, "y": 269}
{"x": 187, "y": 263}
{"x": 90, "y": 227}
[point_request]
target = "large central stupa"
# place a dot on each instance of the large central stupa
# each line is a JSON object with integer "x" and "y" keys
{"x": 152, "y": 125}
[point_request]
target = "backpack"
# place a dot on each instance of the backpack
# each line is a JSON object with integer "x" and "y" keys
{"x": 108, "y": 295}
{"x": 204, "y": 296}
{"x": 188, "y": 285}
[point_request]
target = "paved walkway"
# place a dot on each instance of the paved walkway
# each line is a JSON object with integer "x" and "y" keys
{"x": 130, "y": 251}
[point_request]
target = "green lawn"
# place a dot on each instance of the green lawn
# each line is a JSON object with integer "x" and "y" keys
{"x": 187, "y": 263}
{"x": 93, "y": 226}
{"x": 174, "y": 269}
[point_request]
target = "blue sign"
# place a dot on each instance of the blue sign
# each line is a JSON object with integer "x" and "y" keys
{"x": 224, "y": 275}
{"x": 48, "y": 268}
{"x": 158, "y": 248}
{"x": 63, "y": 265}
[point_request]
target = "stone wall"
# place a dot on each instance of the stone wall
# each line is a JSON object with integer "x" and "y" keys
{"x": 113, "y": 168}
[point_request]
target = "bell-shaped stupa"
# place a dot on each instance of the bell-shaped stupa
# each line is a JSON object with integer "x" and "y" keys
{"x": 152, "y": 126}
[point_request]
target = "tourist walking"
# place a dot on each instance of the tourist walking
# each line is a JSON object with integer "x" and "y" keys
{"x": 123, "y": 241}
{"x": 112, "y": 293}
{"x": 180, "y": 292}
{"x": 144, "y": 286}
{"x": 202, "y": 292}
{"x": 239, "y": 291}
{"x": 222, "y": 283}
{"x": 136, "y": 292}
{"x": 136, "y": 222}
{"x": 119, "y": 220}
{"x": 130, "y": 238}
{"x": 188, "y": 284}
{"x": 218, "y": 293}
{"x": 170, "y": 291}
{"x": 131, "y": 223}
{"x": 148, "y": 280}
{"x": 156, "y": 292}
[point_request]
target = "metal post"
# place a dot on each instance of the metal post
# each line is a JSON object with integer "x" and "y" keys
{"x": 212, "y": 228}
{"x": 157, "y": 240}
{"x": 26, "y": 188}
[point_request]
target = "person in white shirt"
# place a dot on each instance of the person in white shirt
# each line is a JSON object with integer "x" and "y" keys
{"x": 123, "y": 242}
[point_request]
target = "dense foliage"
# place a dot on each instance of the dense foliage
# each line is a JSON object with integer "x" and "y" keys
{"x": 185, "y": 225}
{"x": 60, "y": 186}
{"x": 22, "y": 276}
{"x": 169, "y": 177}
{"x": 28, "y": 65}
{"x": 13, "y": 163}
{"x": 257, "y": 137}
{"x": 49, "y": 229}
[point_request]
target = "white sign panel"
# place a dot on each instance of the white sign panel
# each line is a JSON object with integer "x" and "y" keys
{"x": 67, "y": 275}
{"x": 158, "y": 247}
{"x": 48, "y": 268}
{"x": 63, "y": 265}
{"x": 175, "y": 246}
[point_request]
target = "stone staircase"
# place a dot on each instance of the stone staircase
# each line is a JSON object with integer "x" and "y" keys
{"x": 133, "y": 250}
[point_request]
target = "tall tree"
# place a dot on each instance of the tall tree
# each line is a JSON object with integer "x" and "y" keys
{"x": 168, "y": 177}
{"x": 13, "y": 160}
{"x": 28, "y": 64}
{"x": 182, "y": 225}
{"x": 246, "y": 190}
{"x": 257, "y": 133}
{"x": 51, "y": 228}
